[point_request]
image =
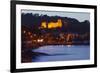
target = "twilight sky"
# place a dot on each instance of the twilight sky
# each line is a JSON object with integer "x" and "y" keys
{"x": 80, "y": 16}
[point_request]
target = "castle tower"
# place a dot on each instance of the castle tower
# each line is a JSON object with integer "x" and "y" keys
{"x": 43, "y": 25}
{"x": 59, "y": 23}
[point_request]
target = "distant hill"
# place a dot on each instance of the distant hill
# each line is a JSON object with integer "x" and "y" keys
{"x": 33, "y": 21}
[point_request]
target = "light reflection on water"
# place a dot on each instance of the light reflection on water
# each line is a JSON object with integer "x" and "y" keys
{"x": 62, "y": 53}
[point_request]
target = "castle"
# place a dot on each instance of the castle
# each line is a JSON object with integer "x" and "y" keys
{"x": 51, "y": 24}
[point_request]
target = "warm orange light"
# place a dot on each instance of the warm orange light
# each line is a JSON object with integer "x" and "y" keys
{"x": 24, "y": 31}
{"x": 52, "y": 24}
{"x": 31, "y": 36}
{"x": 29, "y": 33}
{"x": 43, "y": 25}
{"x": 40, "y": 40}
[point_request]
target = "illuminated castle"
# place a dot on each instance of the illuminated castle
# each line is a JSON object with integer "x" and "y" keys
{"x": 51, "y": 24}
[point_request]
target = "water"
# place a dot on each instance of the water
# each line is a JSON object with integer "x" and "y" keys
{"x": 61, "y": 53}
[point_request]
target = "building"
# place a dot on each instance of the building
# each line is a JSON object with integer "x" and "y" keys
{"x": 51, "y": 24}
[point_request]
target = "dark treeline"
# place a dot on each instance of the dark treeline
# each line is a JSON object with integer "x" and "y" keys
{"x": 33, "y": 21}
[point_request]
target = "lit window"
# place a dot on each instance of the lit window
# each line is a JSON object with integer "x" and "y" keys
{"x": 31, "y": 36}
{"x": 40, "y": 40}
{"x": 29, "y": 33}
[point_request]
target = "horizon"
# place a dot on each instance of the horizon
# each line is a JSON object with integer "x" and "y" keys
{"x": 80, "y": 16}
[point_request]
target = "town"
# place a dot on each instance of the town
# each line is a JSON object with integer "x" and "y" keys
{"x": 31, "y": 40}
